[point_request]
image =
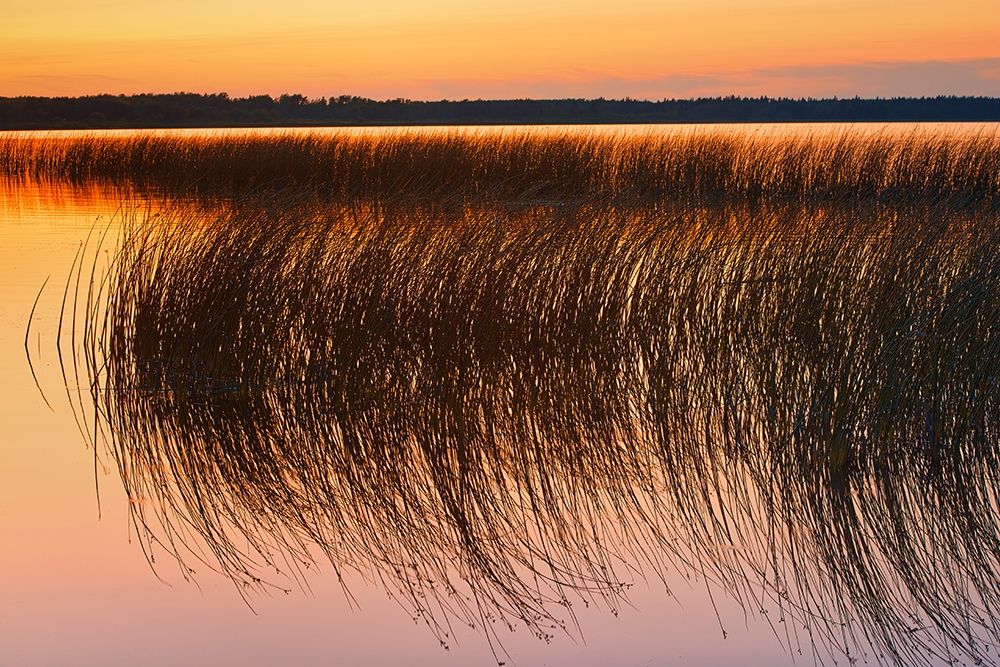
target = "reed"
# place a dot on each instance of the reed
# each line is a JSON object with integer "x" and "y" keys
{"x": 529, "y": 167}
{"x": 501, "y": 411}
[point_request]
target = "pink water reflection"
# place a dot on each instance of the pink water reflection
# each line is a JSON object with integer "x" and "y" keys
{"x": 77, "y": 589}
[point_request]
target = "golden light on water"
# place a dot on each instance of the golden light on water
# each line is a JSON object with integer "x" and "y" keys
{"x": 541, "y": 49}
{"x": 746, "y": 322}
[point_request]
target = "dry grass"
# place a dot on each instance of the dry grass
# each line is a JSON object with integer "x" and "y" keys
{"x": 500, "y": 411}
{"x": 519, "y": 166}
{"x": 505, "y": 373}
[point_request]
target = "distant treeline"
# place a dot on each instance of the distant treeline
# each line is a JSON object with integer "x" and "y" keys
{"x": 220, "y": 110}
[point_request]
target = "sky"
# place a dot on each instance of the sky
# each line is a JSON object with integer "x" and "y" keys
{"x": 459, "y": 49}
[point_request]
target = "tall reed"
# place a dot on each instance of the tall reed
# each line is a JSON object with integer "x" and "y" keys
{"x": 531, "y": 167}
{"x": 499, "y": 411}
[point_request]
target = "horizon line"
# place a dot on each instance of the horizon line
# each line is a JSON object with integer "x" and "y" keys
{"x": 361, "y": 98}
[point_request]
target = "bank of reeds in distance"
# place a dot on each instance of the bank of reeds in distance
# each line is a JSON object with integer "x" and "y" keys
{"x": 528, "y": 166}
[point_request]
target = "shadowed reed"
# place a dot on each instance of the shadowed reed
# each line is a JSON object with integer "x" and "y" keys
{"x": 501, "y": 411}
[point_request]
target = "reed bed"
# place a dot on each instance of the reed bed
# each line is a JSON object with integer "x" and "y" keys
{"x": 502, "y": 412}
{"x": 530, "y": 167}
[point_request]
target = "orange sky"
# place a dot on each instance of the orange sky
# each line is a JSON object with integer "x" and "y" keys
{"x": 518, "y": 48}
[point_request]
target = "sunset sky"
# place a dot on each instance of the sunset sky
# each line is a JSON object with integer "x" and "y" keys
{"x": 519, "y": 48}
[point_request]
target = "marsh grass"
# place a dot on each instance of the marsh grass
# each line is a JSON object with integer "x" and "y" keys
{"x": 506, "y": 375}
{"x": 499, "y": 412}
{"x": 529, "y": 167}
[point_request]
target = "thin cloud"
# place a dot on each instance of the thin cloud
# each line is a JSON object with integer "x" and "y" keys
{"x": 868, "y": 79}
{"x": 58, "y": 84}
{"x": 894, "y": 79}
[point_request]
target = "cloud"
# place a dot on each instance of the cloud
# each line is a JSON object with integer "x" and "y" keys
{"x": 65, "y": 84}
{"x": 867, "y": 79}
{"x": 892, "y": 79}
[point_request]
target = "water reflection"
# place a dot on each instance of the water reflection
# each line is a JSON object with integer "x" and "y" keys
{"x": 500, "y": 412}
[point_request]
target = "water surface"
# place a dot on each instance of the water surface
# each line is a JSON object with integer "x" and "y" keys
{"x": 81, "y": 576}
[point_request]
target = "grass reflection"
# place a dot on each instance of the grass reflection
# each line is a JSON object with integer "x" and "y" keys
{"x": 501, "y": 411}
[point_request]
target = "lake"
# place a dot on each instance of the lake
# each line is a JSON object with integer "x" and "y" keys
{"x": 729, "y": 402}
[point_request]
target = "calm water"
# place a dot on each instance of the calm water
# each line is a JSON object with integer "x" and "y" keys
{"x": 77, "y": 588}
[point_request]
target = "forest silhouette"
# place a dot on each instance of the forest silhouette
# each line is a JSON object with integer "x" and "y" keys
{"x": 221, "y": 110}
